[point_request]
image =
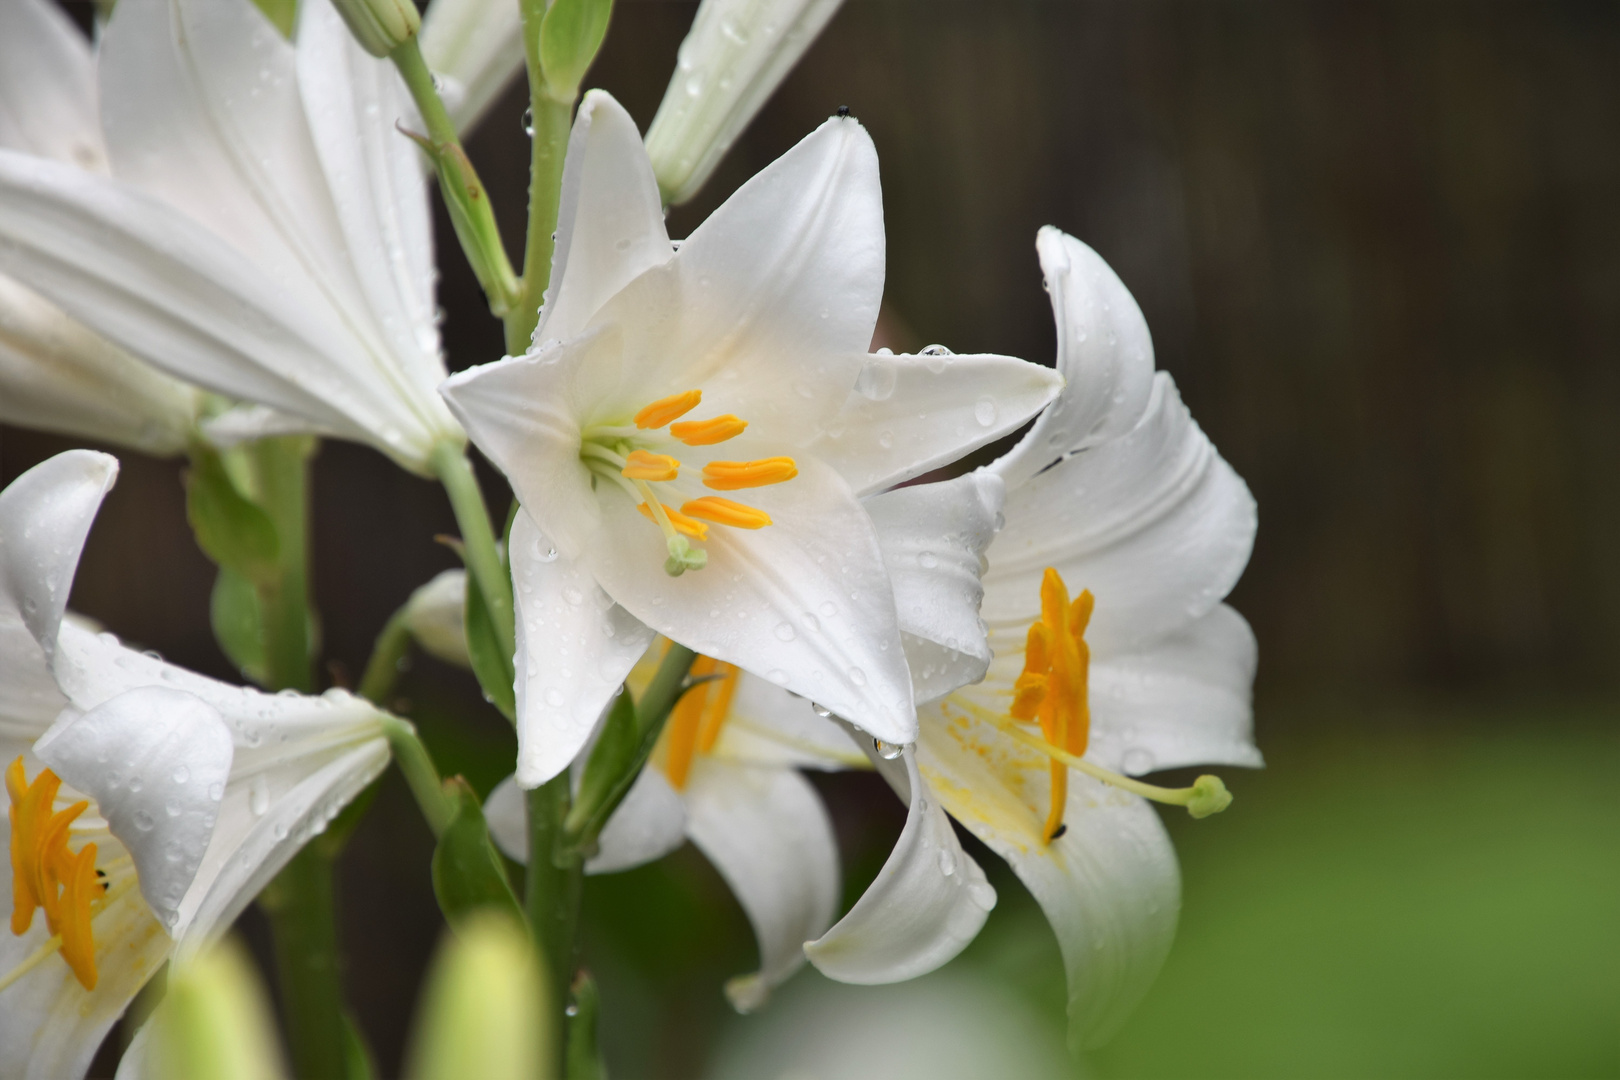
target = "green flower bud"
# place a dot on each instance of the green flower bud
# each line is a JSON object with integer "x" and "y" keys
{"x": 215, "y": 1021}
{"x": 380, "y": 26}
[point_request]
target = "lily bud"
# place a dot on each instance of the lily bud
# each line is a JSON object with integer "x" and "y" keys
{"x": 731, "y": 61}
{"x": 380, "y": 26}
{"x": 214, "y": 1021}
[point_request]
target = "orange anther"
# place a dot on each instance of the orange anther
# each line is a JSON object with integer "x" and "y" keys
{"x": 79, "y": 887}
{"x": 669, "y": 408}
{"x": 725, "y": 512}
{"x": 733, "y": 475}
{"x": 642, "y": 465}
{"x": 708, "y": 432}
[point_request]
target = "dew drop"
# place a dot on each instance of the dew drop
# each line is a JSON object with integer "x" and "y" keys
{"x": 571, "y": 1009}
{"x": 888, "y": 751}
{"x": 877, "y": 381}
{"x": 828, "y": 608}
{"x": 259, "y": 796}
{"x": 886, "y": 439}
{"x": 785, "y": 632}
{"x": 181, "y": 774}
{"x": 574, "y": 597}
{"x": 172, "y": 807}
{"x": 947, "y": 862}
{"x": 857, "y": 676}
{"x": 216, "y": 792}
{"x": 984, "y": 410}
{"x": 554, "y": 698}
{"x": 1137, "y": 761}
{"x": 927, "y": 560}
{"x": 821, "y": 710}
{"x": 135, "y": 783}
{"x": 777, "y": 676}
{"x": 143, "y": 821}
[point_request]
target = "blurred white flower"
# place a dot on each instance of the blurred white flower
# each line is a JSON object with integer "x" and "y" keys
{"x": 148, "y": 804}
{"x": 1114, "y": 491}
{"x": 732, "y": 60}
{"x": 264, "y": 232}
{"x": 762, "y": 318}
{"x": 55, "y": 374}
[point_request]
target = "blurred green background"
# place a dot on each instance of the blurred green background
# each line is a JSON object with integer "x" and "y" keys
{"x": 1378, "y": 245}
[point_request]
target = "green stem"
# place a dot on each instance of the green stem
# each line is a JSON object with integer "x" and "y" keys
{"x": 382, "y": 670}
{"x": 551, "y": 119}
{"x": 464, "y": 193}
{"x": 281, "y": 466}
{"x": 483, "y": 557}
{"x": 302, "y": 915}
{"x": 552, "y": 893}
{"x": 416, "y": 765}
{"x": 300, "y": 901}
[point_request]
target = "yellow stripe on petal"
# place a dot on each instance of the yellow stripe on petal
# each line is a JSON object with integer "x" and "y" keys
{"x": 666, "y": 409}
{"x": 734, "y": 475}
{"x": 708, "y": 432}
{"x": 645, "y": 465}
{"x": 683, "y": 524}
{"x": 725, "y": 512}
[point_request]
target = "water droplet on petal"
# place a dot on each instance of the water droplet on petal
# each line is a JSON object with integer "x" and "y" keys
{"x": 984, "y": 410}
{"x": 857, "y": 676}
{"x": 143, "y": 821}
{"x": 777, "y": 676}
{"x": 888, "y": 751}
{"x": 821, "y": 710}
{"x": 785, "y": 632}
{"x": 927, "y": 560}
{"x": 259, "y": 796}
{"x": 181, "y": 774}
{"x": 554, "y": 698}
{"x": 947, "y": 861}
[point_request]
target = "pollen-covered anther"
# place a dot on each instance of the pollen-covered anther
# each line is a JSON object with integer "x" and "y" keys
{"x": 645, "y": 465}
{"x": 735, "y": 475}
{"x": 683, "y": 524}
{"x": 669, "y": 408}
{"x": 725, "y": 512}
{"x": 45, "y": 874}
{"x": 695, "y": 722}
{"x": 708, "y": 432}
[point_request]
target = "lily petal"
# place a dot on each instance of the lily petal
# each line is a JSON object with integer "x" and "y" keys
{"x": 928, "y": 902}
{"x": 56, "y": 375}
{"x": 45, "y": 515}
{"x": 575, "y": 645}
{"x": 297, "y": 761}
{"x": 48, "y": 86}
{"x": 768, "y": 834}
{"x": 1104, "y": 351}
{"x": 610, "y": 223}
{"x": 770, "y": 304}
{"x": 767, "y": 725}
{"x": 476, "y": 46}
{"x": 1109, "y": 885}
{"x": 649, "y": 824}
{"x": 149, "y": 757}
{"x": 1154, "y": 523}
{"x": 1185, "y": 700}
{"x": 909, "y": 414}
{"x": 933, "y": 537}
{"x": 805, "y": 601}
{"x": 51, "y": 1026}
{"x": 506, "y": 812}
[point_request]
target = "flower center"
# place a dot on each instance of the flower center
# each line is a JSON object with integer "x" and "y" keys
{"x": 46, "y": 874}
{"x": 627, "y": 455}
{"x": 695, "y": 722}
{"x": 1053, "y": 689}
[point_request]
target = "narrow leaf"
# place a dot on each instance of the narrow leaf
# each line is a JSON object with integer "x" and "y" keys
{"x": 238, "y": 624}
{"x": 232, "y": 530}
{"x": 468, "y": 873}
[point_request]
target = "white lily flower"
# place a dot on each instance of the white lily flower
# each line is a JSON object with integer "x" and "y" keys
{"x": 476, "y": 49}
{"x": 725, "y": 775}
{"x": 265, "y": 230}
{"x": 56, "y": 374}
{"x": 149, "y": 805}
{"x": 762, "y": 317}
{"x": 1117, "y": 492}
{"x": 730, "y": 63}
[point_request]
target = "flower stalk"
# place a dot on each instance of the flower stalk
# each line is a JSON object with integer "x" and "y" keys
{"x": 478, "y": 536}
{"x": 550, "y": 118}
{"x": 552, "y": 892}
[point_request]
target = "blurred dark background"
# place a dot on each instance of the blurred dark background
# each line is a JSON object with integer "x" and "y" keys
{"x": 1378, "y": 245}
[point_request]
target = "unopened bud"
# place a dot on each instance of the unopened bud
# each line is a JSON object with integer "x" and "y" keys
{"x": 1209, "y": 796}
{"x": 380, "y": 26}
{"x": 736, "y": 54}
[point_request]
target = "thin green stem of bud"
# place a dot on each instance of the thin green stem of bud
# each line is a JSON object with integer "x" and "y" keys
{"x": 421, "y": 775}
{"x": 483, "y": 558}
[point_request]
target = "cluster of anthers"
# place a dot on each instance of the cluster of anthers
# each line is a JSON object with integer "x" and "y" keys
{"x": 695, "y": 722}
{"x": 1053, "y": 690}
{"x": 624, "y": 454}
{"x": 46, "y": 874}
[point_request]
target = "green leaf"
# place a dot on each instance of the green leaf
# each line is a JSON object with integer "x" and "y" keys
{"x": 238, "y": 625}
{"x": 613, "y": 766}
{"x": 489, "y": 661}
{"x": 570, "y": 36}
{"x": 231, "y": 529}
{"x": 467, "y": 870}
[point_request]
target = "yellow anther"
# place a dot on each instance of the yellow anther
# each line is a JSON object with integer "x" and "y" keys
{"x": 733, "y": 475}
{"x": 1053, "y": 687}
{"x": 79, "y": 887}
{"x": 683, "y": 524}
{"x": 725, "y": 512}
{"x": 644, "y": 465}
{"x": 666, "y": 409}
{"x": 695, "y": 722}
{"x": 719, "y": 705}
{"x": 708, "y": 432}
{"x": 45, "y": 874}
